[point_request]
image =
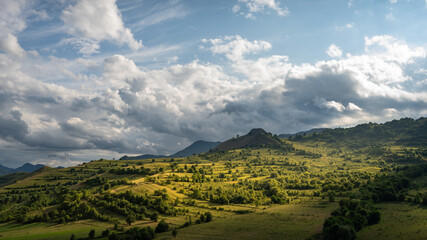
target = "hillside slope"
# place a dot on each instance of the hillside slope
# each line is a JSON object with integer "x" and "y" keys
{"x": 406, "y": 131}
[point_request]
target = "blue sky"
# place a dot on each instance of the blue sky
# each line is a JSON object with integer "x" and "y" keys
{"x": 81, "y": 80}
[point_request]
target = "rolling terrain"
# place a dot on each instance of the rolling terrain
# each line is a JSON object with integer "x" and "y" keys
{"x": 361, "y": 182}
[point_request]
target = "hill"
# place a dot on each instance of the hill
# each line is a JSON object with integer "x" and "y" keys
{"x": 195, "y": 148}
{"x": 308, "y": 132}
{"x": 251, "y": 190}
{"x": 256, "y": 137}
{"x": 406, "y": 131}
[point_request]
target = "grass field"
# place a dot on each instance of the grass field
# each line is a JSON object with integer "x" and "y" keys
{"x": 42, "y": 231}
{"x": 278, "y": 222}
{"x": 399, "y": 221}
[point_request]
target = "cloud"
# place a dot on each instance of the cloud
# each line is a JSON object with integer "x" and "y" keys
{"x": 86, "y": 47}
{"x": 129, "y": 109}
{"x": 256, "y": 6}
{"x": 161, "y": 13}
{"x": 323, "y": 103}
{"x": 10, "y": 45}
{"x": 334, "y": 51}
{"x": 344, "y": 27}
{"x": 12, "y": 21}
{"x": 98, "y": 20}
{"x": 235, "y": 47}
{"x": 11, "y": 16}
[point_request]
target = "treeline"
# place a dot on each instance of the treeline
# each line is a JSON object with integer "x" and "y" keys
{"x": 406, "y": 131}
{"x": 394, "y": 185}
{"x": 140, "y": 171}
{"x": 354, "y": 214}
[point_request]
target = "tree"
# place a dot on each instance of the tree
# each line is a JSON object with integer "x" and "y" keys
{"x": 130, "y": 219}
{"x": 163, "y": 226}
{"x": 154, "y": 217}
{"x": 331, "y": 196}
{"x": 106, "y": 233}
{"x": 208, "y": 217}
{"x": 92, "y": 234}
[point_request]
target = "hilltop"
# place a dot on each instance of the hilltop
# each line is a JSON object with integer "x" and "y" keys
{"x": 257, "y": 137}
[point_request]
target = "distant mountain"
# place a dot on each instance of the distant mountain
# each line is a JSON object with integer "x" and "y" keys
{"x": 26, "y": 168}
{"x": 308, "y": 132}
{"x": 195, "y": 148}
{"x": 256, "y": 137}
{"x": 5, "y": 170}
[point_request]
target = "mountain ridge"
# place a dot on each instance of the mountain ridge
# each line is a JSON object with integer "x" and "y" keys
{"x": 196, "y": 147}
{"x": 25, "y": 168}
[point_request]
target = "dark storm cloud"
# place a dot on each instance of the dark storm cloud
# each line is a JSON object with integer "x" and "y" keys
{"x": 13, "y": 128}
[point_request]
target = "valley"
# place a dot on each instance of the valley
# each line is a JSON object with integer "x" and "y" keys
{"x": 371, "y": 179}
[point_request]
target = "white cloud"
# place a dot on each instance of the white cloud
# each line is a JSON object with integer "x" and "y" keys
{"x": 344, "y": 27}
{"x": 353, "y": 107}
{"x": 10, "y": 45}
{"x": 235, "y": 47}
{"x": 393, "y": 1}
{"x": 323, "y": 103}
{"x": 256, "y": 6}
{"x": 98, "y": 20}
{"x": 161, "y": 13}
{"x": 390, "y": 49}
{"x": 334, "y": 51}
{"x": 12, "y": 21}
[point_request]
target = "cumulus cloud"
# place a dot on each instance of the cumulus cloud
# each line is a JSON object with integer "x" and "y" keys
{"x": 12, "y": 21}
{"x": 250, "y": 7}
{"x": 334, "y": 51}
{"x": 9, "y": 44}
{"x": 235, "y": 47}
{"x": 138, "y": 110}
{"x": 98, "y": 20}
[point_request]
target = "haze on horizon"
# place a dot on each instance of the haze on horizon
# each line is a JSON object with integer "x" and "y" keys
{"x": 87, "y": 79}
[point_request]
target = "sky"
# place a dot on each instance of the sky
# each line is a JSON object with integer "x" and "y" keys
{"x": 90, "y": 79}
